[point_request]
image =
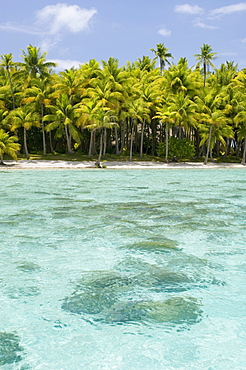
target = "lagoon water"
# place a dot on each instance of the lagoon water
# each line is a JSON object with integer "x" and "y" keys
{"x": 123, "y": 269}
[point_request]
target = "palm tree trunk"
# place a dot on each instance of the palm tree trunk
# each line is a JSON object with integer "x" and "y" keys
{"x": 148, "y": 141}
{"x": 209, "y": 141}
{"x": 201, "y": 151}
{"x": 136, "y": 141}
{"x": 131, "y": 142}
{"x": 104, "y": 140}
{"x": 205, "y": 73}
{"x": 70, "y": 140}
{"x": 123, "y": 138}
{"x": 128, "y": 133}
{"x": 92, "y": 144}
{"x": 101, "y": 147}
{"x": 161, "y": 65}
{"x": 153, "y": 128}
{"x": 180, "y": 132}
{"x": 211, "y": 155}
{"x": 244, "y": 152}
{"x": 43, "y": 132}
{"x": 51, "y": 145}
{"x": 142, "y": 139}
{"x": 197, "y": 142}
{"x": 44, "y": 141}
{"x": 217, "y": 148}
{"x": 25, "y": 145}
{"x": 116, "y": 140}
{"x": 69, "y": 149}
{"x": 166, "y": 156}
{"x": 228, "y": 145}
{"x": 1, "y": 160}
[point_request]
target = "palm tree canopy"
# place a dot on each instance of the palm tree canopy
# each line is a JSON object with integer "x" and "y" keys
{"x": 162, "y": 53}
{"x": 35, "y": 63}
{"x": 205, "y": 58}
{"x": 8, "y": 145}
{"x": 7, "y": 61}
{"x": 24, "y": 116}
{"x": 145, "y": 63}
{"x": 206, "y": 55}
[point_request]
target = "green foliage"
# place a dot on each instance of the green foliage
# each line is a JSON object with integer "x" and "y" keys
{"x": 8, "y": 145}
{"x": 104, "y": 109}
{"x": 182, "y": 149}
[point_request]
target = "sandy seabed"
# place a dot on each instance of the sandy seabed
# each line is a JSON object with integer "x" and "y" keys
{"x": 51, "y": 164}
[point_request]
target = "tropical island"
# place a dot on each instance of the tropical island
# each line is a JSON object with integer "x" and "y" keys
{"x": 121, "y": 269}
{"x": 139, "y": 111}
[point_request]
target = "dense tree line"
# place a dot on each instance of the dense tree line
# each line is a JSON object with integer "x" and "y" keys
{"x": 102, "y": 108}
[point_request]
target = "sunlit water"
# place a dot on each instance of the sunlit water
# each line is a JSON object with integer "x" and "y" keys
{"x": 123, "y": 269}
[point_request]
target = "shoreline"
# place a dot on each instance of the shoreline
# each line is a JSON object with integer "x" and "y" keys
{"x": 59, "y": 164}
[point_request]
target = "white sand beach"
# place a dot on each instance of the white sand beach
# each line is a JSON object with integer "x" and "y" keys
{"x": 57, "y": 164}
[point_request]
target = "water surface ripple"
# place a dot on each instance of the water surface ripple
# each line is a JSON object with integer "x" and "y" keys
{"x": 123, "y": 269}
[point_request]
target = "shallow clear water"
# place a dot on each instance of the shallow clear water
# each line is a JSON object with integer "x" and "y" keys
{"x": 123, "y": 269}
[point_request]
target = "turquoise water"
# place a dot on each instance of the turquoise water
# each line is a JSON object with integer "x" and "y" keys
{"x": 123, "y": 269}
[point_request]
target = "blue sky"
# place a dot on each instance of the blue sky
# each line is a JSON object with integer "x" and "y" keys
{"x": 75, "y": 31}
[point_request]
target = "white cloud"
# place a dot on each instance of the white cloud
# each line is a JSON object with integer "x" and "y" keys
{"x": 63, "y": 64}
{"x": 228, "y": 54}
{"x": 228, "y": 9}
{"x": 244, "y": 40}
{"x": 47, "y": 44}
{"x": 164, "y": 32}
{"x": 53, "y": 18}
{"x": 63, "y": 16}
{"x": 189, "y": 9}
{"x": 204, "y": 25}
{"x": 19, "y": 28}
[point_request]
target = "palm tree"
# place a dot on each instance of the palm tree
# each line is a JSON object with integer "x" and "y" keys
{"x": 118, "y": 77}
{"x": 165, "y": 116}
{"x": 205, "y": 58}
{"x": 4, "y": 124}
{"x": 96, "y": 118}
{"x": 145, "y": 63}
{"x": 106, "y": 91}
{"x": 39, "y": 95}
{"x": 180, "y": 78}
{"x": 224, "y": 75}
{"x": 8, "y": 146}
{"x": 24, "y": 117}
{"x": 240, "y": 121}
{"x": 184, "y": 111}
{"x": 8, "y": 64}
{"x": 64, "y": 117}
{"x": 138, "y": 112}
{"x": 213, "y": 125}
{"x": 70, "y": 82}
{"x": 214, "y": 128}
{"x": 102, "y": 89}
{"x": 35, "y": 64}
{"x": 150, "y": 92}
{"x": 231, "y": 104}
{"x": 162, "y": 53}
